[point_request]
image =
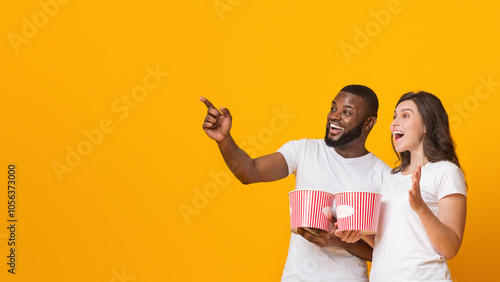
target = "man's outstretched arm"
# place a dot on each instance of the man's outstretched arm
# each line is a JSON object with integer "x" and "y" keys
{"x": 217, "y": 125}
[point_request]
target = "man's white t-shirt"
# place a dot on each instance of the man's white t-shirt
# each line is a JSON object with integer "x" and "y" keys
{"x": 317, "y": 166}
{"x": 403, "y": 250}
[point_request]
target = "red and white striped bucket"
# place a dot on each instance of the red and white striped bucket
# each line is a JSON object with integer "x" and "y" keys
{"x": 310, "y": 208}
{"x": 358, "y": 211}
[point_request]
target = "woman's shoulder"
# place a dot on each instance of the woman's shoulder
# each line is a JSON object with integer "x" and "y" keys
{"x": 447, "y": 177}
{"x": 444, "y": 172}
{"x": 443, "y": 167}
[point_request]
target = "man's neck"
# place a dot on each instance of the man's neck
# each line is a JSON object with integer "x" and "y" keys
{"x": 352, "y": 150}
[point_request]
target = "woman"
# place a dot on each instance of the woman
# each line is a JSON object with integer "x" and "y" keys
{"x": 424, "y": 198}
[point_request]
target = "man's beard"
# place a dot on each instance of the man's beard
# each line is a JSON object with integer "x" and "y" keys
{"x": 347, "y": 137}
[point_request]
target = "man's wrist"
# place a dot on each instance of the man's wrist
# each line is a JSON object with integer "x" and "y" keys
{"x": 226, "y": 140}
{"x": 334, "y": 241}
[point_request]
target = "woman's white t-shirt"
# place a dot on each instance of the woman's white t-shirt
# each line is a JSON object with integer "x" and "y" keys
{"x": 403, "y": 251}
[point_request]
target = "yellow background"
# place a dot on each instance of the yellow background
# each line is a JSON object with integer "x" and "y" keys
{"x": 117, "y": 214}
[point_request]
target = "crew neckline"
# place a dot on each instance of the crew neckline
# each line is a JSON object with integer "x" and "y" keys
{"x": 409, "y": 175}
{"x": 365, "y": 156}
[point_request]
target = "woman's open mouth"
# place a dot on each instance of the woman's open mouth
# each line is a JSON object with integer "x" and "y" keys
{"x": 398, "y": 135}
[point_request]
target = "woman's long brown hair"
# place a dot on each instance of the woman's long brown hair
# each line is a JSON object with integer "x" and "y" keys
{"x": 438, "y": 143}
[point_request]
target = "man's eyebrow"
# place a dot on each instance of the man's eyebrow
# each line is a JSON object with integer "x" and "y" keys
{"x": 344, "y": 106}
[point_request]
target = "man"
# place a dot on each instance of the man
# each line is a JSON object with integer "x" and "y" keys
{"x": 338, "y": 163}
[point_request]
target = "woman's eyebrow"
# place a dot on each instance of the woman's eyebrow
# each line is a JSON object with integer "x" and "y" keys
{"x": 410, "y": 110}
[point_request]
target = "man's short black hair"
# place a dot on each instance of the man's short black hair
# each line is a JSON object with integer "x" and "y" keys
{"x": 368, "y": 96}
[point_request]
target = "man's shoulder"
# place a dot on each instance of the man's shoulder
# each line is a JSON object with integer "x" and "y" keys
{"x": 304, "y": 148}
{"x": 306, "y": 142}
{"x": 378, "y": 163}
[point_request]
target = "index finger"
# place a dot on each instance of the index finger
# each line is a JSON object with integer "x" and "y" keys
{"x": 207, "y": 103}
{"x": 416, "y": 173}
{"x": 313, "y": 238}
{"x": 353, "y": 234}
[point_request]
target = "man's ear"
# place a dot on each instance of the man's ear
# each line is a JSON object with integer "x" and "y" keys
{"x": 370, "y": 122}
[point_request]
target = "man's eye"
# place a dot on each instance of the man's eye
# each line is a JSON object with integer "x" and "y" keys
{"x": 347, "y": 113}
{"x": 333, "y": 109}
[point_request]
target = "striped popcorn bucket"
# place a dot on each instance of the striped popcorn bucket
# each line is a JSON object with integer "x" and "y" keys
{"x": 310, "y": 209}
{"x": 358, "y": 211}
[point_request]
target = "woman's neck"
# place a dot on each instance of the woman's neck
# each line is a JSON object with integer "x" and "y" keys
{"x": 417, "y": 158}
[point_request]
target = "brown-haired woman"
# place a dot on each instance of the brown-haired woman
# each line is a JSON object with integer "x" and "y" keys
{"x": 422, "y": 219}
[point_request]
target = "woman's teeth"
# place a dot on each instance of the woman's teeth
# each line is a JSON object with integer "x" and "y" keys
{"x": 398, "y": 134}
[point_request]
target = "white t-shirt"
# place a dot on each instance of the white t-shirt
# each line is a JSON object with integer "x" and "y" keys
{"x": 317, "y": 166}
{"x": 403, "y": 251}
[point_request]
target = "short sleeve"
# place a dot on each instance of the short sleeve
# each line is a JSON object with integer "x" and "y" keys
{"x": 384, "y": 173}
{"x": 290, "y": 151}
{"x": 451, "y": 180}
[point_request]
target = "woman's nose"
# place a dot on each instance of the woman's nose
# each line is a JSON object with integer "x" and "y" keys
{"x": 394, "y": 123}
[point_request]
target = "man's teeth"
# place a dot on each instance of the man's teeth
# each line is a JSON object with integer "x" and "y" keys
{"x": 335, "y": 126}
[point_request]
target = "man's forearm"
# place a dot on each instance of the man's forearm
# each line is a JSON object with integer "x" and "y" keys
{"x": 360, "y": 249}
{"x": 237, "y": 160}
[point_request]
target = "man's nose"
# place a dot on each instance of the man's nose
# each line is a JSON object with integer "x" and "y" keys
{"x": 336, "y": 116}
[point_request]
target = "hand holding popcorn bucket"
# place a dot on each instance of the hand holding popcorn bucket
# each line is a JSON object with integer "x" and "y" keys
{"x": 310, "y": 209}
{"x": 358, "y": 211}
